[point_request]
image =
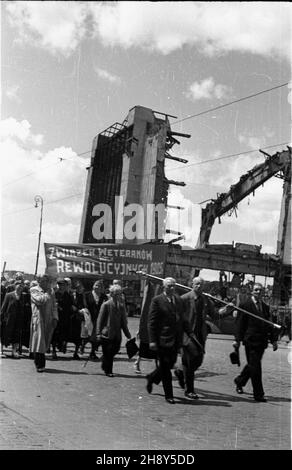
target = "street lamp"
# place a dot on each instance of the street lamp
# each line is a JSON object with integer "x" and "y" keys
{"x": 37, "y": 200}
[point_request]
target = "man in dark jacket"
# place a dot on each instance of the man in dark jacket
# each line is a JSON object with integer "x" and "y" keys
{"x": 197, "y": 308}
{"x": 165, "y": 328}
{"x": 254, "y": 334}
{"x": 12, "y": 319}
{"x": 25, "y": 334}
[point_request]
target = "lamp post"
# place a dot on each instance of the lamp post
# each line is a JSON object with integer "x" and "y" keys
{"x": 37, "y": 200}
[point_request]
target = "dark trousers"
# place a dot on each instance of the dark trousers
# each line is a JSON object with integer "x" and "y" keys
{"x": 39, "y": 360}
{"x": 109, "y": 349}
{"x": 190, "y": 364}
{"x": 166, "y": 360}
{"x": 253, "y": 370}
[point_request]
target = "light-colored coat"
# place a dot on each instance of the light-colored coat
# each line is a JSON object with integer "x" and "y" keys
{"x": 44, "y": 314}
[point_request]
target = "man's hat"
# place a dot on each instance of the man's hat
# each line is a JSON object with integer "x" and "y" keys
{"x": 234, "y": 357}
{"x": 60, "y": 280}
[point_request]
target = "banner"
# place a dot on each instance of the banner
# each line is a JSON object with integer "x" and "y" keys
{"x": 108, "y": 261}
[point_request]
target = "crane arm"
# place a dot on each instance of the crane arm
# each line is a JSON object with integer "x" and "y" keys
{"x": 281, "y": 161}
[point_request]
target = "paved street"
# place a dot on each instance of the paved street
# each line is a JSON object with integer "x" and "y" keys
{"x": 75, "y": 407}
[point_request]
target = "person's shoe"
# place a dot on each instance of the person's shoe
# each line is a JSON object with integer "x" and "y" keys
{"x": 260, "y": 399}
{"x": 170, "y": 400}
{"x": 41, "y": 369}
{"x": 15, "y": 355}
{"x": 180, "y": 377}
{"x": 137, "y": 368}
{"x": 75, "y": 356}
{"x": 93, "y": 357}
{"x": 110, "y": 375}
{"x": 238, "y": 388}
{"x": 149, "y": 385}
{"x": 191, "y": 395}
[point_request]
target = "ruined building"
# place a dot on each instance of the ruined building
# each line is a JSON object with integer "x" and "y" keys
{"x": 127, "y": 167}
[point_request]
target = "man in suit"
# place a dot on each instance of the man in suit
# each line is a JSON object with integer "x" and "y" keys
{"x": 93, "y": 301}
{"x": 254, "y": 334}
{"x": 166, "y": 324}
{"x": 197, "y": 308}
{"x": 64, "y": 304}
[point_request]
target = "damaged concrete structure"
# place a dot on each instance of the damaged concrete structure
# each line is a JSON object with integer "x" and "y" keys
{"x": 127, "y": 168}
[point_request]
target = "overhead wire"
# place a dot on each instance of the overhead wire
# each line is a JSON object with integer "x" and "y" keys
{"x": 230, "y": 103}
{"x": 192, "y": 164}
{"x": 45, "y": 204}
{"x": 61, "y": 159}
{"x": 170, "y": 169}
{"x": 227, "y": 156}
{"x": 181, "y": 120}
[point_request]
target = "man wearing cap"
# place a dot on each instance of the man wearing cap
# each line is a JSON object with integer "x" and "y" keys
{"x": 93, "y": 301}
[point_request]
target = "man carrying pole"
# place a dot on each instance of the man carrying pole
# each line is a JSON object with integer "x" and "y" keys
{"x": 196, "y": 309}
{"x": 166, "y": 324}
{"x": 254, "y": 329}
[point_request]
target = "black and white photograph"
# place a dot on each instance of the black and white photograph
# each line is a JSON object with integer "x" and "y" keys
{"x": 145, "y": 229}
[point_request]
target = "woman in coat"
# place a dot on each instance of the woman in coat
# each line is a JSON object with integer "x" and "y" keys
{"x": 43, "y": 320}
{"x": 12, "y": 318}
{"x": 111, "y": 320}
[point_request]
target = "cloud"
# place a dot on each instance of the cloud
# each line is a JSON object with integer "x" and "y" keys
{"x": 53, "y": 232}
{"x": 12, "y": 130}
{"x": 27, "y": 171}
{"x": 55, "y": 26}
{"x": 12, "y": 93}
{"x": 255, "y": 142}
{"x": 206, "y": 89}
{"x": 212, "y": 27}
{"x": 105, "y": 75}
{"x": 186, "y": 221}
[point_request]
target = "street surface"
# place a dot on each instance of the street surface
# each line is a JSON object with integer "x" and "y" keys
{"x": 75, "y": 407}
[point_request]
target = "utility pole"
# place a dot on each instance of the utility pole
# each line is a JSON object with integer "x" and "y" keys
{"x": 38, "y": 199}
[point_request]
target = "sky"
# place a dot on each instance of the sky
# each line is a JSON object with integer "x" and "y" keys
{"x": 71, "y": 69}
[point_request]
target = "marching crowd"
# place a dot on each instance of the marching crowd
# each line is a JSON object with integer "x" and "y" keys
{"x": 45, "y": 318}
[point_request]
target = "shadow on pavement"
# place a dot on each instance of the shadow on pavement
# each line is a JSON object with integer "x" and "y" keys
{"x": 278, "y": 399}
{"x": 61, "y": 371}
{"x": 208, "y": 374}
{"x": 199, "y": 402}
{"x": 245, "y": 397}
{"x": 118, "y": 376}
